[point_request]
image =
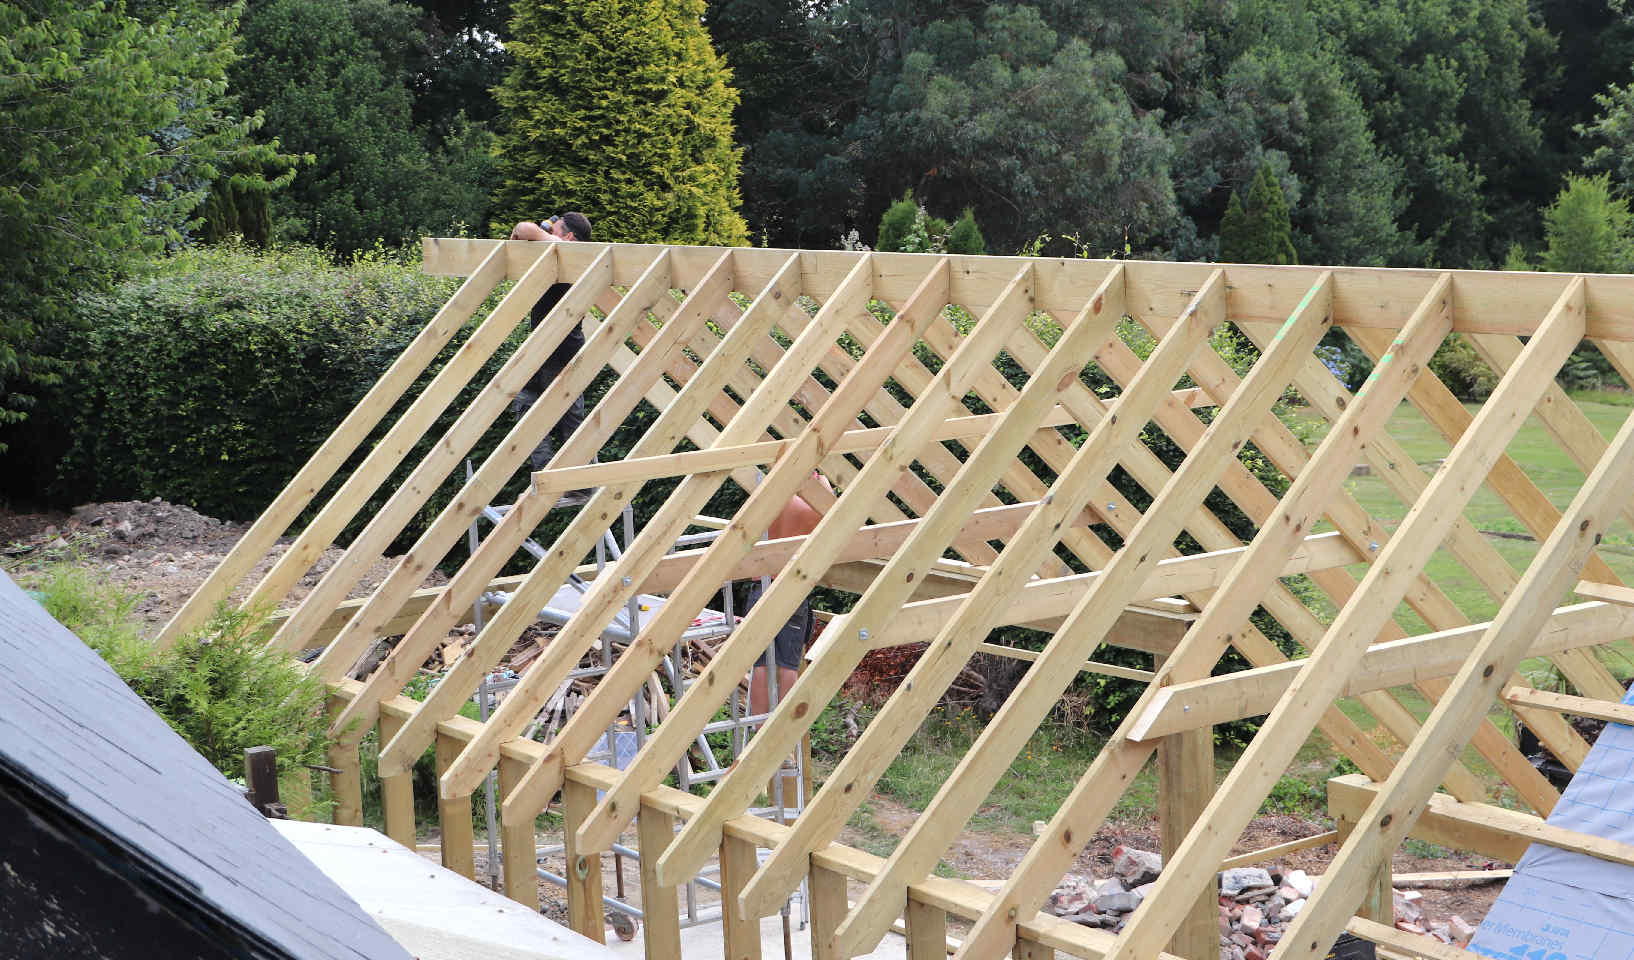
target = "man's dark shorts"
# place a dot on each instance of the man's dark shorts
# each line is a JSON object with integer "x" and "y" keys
{"x": 790, "y": 643}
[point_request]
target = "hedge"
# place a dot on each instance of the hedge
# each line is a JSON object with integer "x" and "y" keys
{"x": 210, "y": 380}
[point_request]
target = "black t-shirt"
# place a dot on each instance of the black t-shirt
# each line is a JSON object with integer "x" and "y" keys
{"x": 564, "y": 351}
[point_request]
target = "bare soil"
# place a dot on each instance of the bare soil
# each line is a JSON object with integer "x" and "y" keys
{"x": 157, "y": 550}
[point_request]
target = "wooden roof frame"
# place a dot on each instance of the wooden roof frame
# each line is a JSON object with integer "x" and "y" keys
{"x": 689, "y": 330}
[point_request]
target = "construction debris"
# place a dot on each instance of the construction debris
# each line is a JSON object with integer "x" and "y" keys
{"x": 1256, "y": 904}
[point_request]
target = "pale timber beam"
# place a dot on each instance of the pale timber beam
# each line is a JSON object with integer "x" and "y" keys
{"x": 1092, "y": 799}
{"x": 1480, "y": 827}
{"x": 748, "y": 642}
{"x": 979, "y": 769}
{"x": 332, "y": 454}
{"x": 1497, "y": 302}
{"x": 885, "y": 597}
{"x": 680, "y": 418}
{"x": 1254, "y": 692}
{"x": 1608, "y": 592}
{"x": 1387, "y": 581}
{"x": 756, "y": 514}
{"x": 1609, "y": 711}
{"x": 1040, "y": 601}
{"x": 456, "y": 601}
{"x": 489, "y": 404}
{"x": 752, "y": 454}
{"x": 1382, "y": 827}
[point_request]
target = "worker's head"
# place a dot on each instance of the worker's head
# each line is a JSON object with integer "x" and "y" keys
{"x": 570, "y": 226}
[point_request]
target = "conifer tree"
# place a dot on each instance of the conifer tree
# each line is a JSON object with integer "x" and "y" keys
{"x": 620, "y": 109}
{"x": 966, "y": 236}
{"x": 1259, "y": 230}
{"x": 1587, "y": 229}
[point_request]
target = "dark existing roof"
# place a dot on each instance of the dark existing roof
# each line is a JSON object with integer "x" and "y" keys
{"x": 85, "y": 750}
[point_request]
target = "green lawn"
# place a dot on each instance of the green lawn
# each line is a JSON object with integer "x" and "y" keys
{"x": 1555, "y": 474}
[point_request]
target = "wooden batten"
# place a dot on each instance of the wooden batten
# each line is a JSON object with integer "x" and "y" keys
{"x": 979, "y": 481}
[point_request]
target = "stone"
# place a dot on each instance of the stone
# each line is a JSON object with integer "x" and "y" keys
{"x": 1109, "y": 885}
{"x": 1254, "y": 893}
{"x": 1145, "y": 890}
{"x": 1405, "y": 908}
{"x": 1291, "y": 910}
{"x": 1241, "y": 939}
{"x": 1121, "y": 902}
{"x": 1071, "y": 897}
{"x": 1459, "y": 928}
{"x": 1136, "y": 867}
{"x": 1441, "y": 931}
{"x": 1300, "y": 881}
{"x": 1234, "y": 881}
{"x": 1254, "y": 953}
{"x": 1251, "y": 919}
{"x": 1407, "y": 926}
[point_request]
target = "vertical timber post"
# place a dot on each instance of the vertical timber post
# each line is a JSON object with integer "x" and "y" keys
{"x": 828, "y": 908}
{"x": 927, "y": 931}
{"x": 584, "y": 912}
{"x": 454, "y": 818}
{"x": 660, "y": 914}
{"x": 517, "y": 844}
{"x": 347, "y": 779}
{"x": 1185, "y": 770}
{"x": 1379, "y": 900}
{"x": 738, "y": 864}
{"x": 397, "y": 793}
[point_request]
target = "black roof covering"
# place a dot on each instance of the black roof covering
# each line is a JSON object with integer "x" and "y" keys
{"x": 119, "y": 813}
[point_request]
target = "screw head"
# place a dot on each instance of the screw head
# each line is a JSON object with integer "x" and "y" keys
{"x": 862, "y": 634}
{"x": 628, "y": 581}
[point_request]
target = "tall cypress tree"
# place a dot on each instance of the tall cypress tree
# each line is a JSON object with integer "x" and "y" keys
{"x": 620, "y": 109}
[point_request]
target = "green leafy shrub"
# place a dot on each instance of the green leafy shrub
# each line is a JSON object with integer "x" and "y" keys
{"x": 218, "y": 687}
{"x": 1462, "y": 369}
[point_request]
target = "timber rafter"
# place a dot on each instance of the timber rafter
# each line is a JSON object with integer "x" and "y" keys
{"x": 975, "y": 481}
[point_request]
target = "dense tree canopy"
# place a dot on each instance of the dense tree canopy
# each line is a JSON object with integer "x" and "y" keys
{"x": 333, "y": 79}
{"x": 1454, "y": 133}
{"x": 112, "y": 130}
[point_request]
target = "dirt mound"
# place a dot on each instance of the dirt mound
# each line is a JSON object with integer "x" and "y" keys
{"x": 158, "y": 550}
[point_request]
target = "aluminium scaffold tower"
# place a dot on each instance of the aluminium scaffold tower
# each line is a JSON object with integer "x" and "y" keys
{"x": 982, "y": 482}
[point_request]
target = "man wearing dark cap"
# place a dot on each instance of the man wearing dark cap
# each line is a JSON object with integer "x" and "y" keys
{"x": 568, "y": 227}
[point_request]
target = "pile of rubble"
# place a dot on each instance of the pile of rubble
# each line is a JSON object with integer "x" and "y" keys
{"x": 1255, "y": 904}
